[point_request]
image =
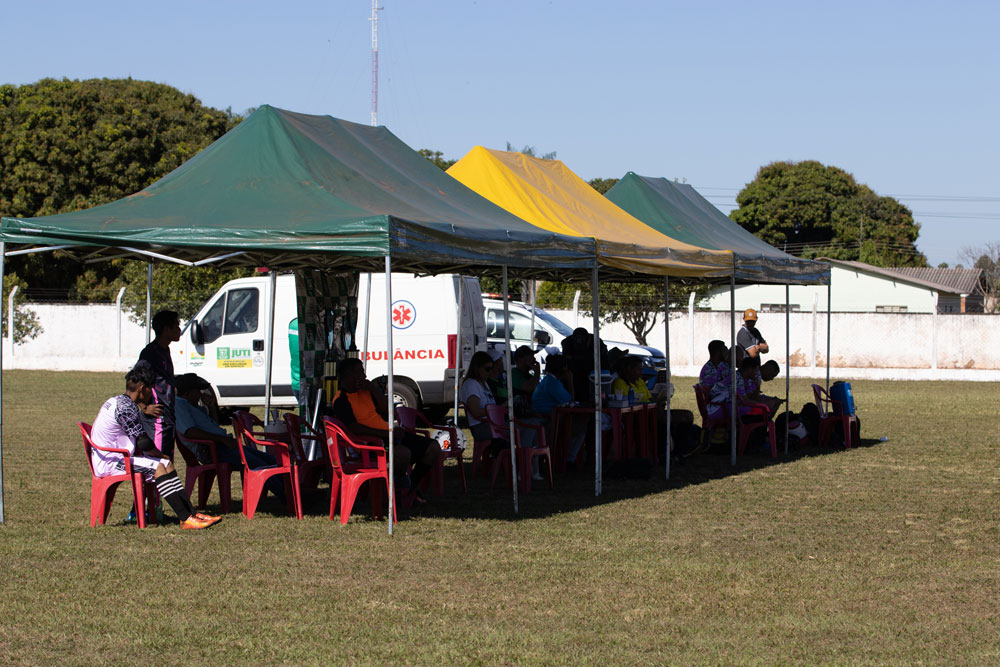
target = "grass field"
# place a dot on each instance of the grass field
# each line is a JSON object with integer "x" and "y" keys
{"x": 889, "y": 553}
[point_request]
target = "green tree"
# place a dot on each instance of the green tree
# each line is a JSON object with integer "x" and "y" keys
{"x": 175, "y": 287}
{"x": 68, "y": 145}
{"x": 987, "y": 259}
{"x": 530, "y": 151}
{"x": 437, "y": 158}
{"x": 26, "y": 324}
{"x": 602, "y": 185}
{"x": 636, "y": 305}
{"x": 817, "y": 210}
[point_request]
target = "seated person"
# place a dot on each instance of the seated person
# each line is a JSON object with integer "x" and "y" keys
{"x": 556, "y": 390}
{"x": 475, "y": 394}
{"x": 716, "y": 369}
{"x": 193, "y": 421}
{"x": 748, "y": 387}
{"x": 766, "y": 373}
{"x": 118, "y": 425}
{"x": 496, "y": 380}
{"x": 527, "y": 372}
{"x": 363, "y": 408}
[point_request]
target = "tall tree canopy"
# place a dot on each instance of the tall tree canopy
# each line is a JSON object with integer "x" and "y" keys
{"x": 814, "y": 210}
{"x": 68, "y": 145}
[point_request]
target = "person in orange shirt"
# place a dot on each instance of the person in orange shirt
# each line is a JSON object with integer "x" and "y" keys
{"x": 363, "y": 408}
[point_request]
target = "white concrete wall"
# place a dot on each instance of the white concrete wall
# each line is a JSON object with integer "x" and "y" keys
{"x": 861, "y": 345}
{"x": 78, "y": 337}
{"x": 853, "y": 292}
{"x": 85, "y": 337}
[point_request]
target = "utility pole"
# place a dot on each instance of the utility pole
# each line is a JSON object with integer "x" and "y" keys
{"x": 374, "y": 19}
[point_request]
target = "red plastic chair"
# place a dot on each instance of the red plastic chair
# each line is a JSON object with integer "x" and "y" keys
{"x": 300, "y": 430}
{"x": 205, "y": 473}
{"x": 748, "y": 427}
{"x": 102, "y": 489}
{"x": 254, "y": 479}
{"x": 413, "y": 421}
{"x": 831, "y": 414}
{"x": 709, "y": 423}
{"x": 348, "y": 480}
{"x": 497, "y": 416}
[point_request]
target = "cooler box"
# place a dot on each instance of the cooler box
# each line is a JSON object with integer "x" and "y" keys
{"x": 841, "y": 392}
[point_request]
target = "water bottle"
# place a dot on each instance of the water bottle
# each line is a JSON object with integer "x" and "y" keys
{"x": 631, "y": 397}
{"x": 884, "y": 438}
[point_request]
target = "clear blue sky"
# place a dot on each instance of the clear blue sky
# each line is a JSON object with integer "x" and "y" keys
{"x": 902, "y": 94}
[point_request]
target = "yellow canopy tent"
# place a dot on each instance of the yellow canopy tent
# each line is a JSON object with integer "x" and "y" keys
{"x": 549, "y": 195}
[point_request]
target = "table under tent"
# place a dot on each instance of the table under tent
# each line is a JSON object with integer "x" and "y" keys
{"x": 308, "y": 193}
{"x": 705, "y": 244}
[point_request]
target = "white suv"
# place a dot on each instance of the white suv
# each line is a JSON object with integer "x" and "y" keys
{"x": 549, "y": 333}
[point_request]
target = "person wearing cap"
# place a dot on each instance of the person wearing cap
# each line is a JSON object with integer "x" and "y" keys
{"x": 195, "y": 421}
{"x": 749, "y": 338}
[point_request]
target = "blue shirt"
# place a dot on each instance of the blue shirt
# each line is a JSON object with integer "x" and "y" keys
{"x": 549, "y": 393}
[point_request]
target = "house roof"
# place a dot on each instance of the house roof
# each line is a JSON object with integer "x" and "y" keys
{"x": 953, "y": 281}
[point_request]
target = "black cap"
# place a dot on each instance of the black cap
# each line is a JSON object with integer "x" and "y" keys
{"x": 189, "y": 381}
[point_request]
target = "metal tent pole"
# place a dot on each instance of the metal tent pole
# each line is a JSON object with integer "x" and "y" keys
{"x": 829, "y": 293}
{"x": 270, "y": 345}
{"x": 149, "y": 302}
{"x": 368, "y": 308}
{"x": 733, "y": 370}
{"x": 458, "y": 350}
{"x": 788, "y": 368}
{"x": 510, "y": 392}
{"x": 10, "y": 323}
{"x": 666, "y": 336}
{"x": 531, "y": 334}
{"x": 598, "y": 454}
{"x": 390, "y": 351}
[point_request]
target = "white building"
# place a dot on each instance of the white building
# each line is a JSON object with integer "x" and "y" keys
{"x": 862, "y": 288}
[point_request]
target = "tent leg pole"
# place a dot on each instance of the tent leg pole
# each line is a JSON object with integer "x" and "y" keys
{"x": 510, "y": 393}
{"x": 733, "y": 370}
{"x": 829, "y": 293}
{"x": 666, "y": 336}
{"x": 598, "y": 449}
{"x": 149, "y": 302}
{"x": 368, "y": 321}
{"x": 532, "y": 332}
{"x": 270, "y": 345}
{"x": 459, "y": 348}
{"x": 10, "y": 323}
{"x": 389, "y": 390}
{"x": 788, "y": 368}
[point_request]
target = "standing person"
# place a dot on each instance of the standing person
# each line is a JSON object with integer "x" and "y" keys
{"x": 118, "y": 424}
{"x": 749, "y": 338}
{"x": 158, "y": 413}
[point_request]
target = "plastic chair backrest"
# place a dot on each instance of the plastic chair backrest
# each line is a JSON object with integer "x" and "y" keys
{"x": 822, "y": 398}
{"x": 296, "y": 425}
{"x": 89, "y": 446}
{"x": 336, "y": 435}
{"x": 699, "y": 394}
{"x": 496, "y": 416}
{"x": 190, "y": 459}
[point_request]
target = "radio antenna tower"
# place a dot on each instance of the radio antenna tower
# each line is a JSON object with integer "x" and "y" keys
{"x": 374, "y": 19}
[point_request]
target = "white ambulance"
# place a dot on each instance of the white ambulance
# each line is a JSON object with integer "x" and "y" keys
{"x": 225, "y": 343}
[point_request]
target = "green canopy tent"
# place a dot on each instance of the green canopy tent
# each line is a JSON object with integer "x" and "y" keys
{"x": 679, "y": 211}
{"x": 294, "y": 191}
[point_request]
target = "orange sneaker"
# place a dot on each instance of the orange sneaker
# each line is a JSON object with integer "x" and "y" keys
{"x": 210, "y": 518}
{"x": 194, "y": 523}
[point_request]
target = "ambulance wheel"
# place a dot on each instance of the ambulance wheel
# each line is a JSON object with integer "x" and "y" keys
{"x": 403, "y": 394}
